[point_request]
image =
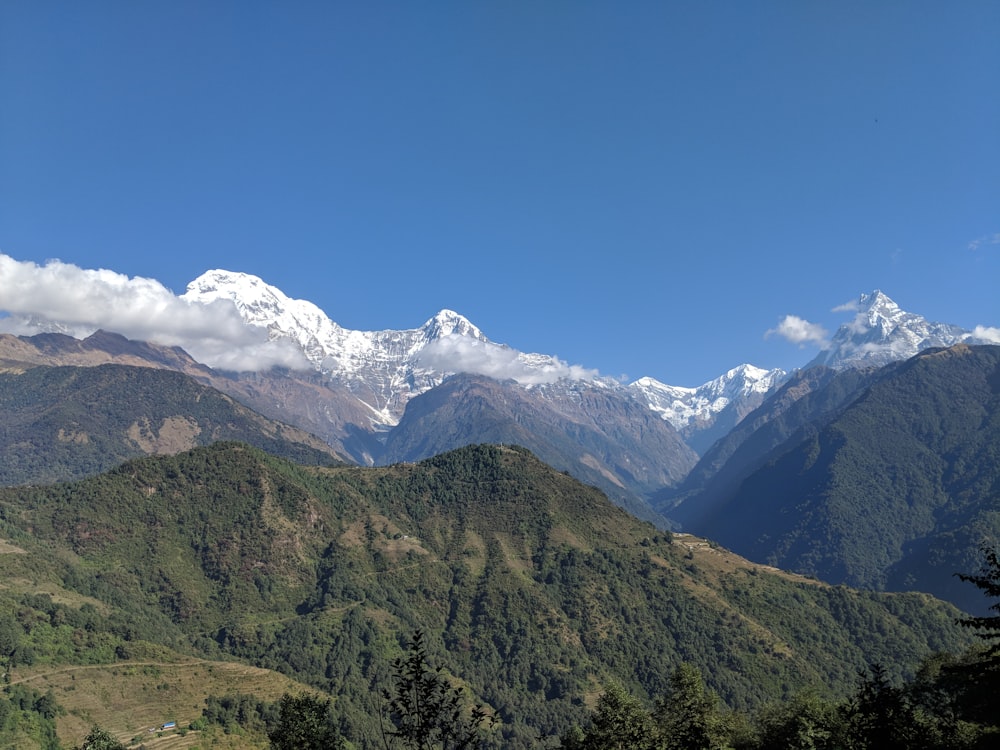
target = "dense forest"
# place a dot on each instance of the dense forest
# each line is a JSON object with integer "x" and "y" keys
{"x": 534, "y": 594}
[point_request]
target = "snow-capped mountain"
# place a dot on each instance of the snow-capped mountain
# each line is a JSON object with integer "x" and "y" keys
{"x": 705, "y": 413}
{"x": 384, "y": 369}
{"x": 684, "y": 406}
{"x": 881, "y": 333}
{"x": 402, "y": 395}
{"x": 330, "y": 347}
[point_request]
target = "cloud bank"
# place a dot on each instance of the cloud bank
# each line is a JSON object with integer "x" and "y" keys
{"x": 456, "y": 353}
{"x": 62, "y": 297}
{"x": 799, "y": 331}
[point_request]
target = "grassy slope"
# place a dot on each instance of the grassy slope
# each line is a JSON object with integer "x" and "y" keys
{"x": 129, "y": 696}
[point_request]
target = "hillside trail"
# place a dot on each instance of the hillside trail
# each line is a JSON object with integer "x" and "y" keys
{"x": 122, "y": 664}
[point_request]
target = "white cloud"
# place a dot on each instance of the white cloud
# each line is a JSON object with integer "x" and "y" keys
{"x": 859, "y": 324}
{"x": 986, "y": 333}
{"x": 463, "y": 354}
{"x": 852, "y": 306}
{"x": 62, "y": 297}
{"x": 799, "y": 331}
{"x": 985, "y": 240}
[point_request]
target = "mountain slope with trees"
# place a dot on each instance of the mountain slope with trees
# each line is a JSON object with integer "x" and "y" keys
{"x": 533, "y": 589}
{"x": 808, "y": 398}
{"x": 898, "y": 489}
{"x": 603, "y": 437}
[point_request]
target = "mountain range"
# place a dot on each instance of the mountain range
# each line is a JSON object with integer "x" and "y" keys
{"x": 679, "y": 457}
{"x": 633, "y": 440}
{"x": 385, "y": 369}
{"x": 875, "y": 467}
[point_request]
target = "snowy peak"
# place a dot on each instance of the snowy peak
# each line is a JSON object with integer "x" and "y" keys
{"x": 259, "y": 303}
{"x": 328, "y": 345}
{"x": 242, "y": 288}
{"x": 384, "y": 369}
{"x": 881, "y": 333}
{"x": 683, "y": 407}
{"x": 881, "y": 312}
{"x": 878, "y": 302}
{"x": 743, "y": 380}
{"x": 450, "y": 323}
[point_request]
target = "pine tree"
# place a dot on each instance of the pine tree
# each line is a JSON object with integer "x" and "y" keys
{"x": 426, "y": 711}
{"x": 689, "y": 717}
{"x": 988, "y": 581}
{"x": 978, "y": 678}
{"x": 619, "y": 723}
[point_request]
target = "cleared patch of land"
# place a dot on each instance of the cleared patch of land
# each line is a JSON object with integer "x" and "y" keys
{"x": 134, "y": 699}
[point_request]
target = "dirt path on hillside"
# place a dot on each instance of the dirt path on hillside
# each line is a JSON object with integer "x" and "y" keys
{"x": 119, "y": 664}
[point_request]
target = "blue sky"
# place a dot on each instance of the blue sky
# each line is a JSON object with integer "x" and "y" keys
{"x": 641, "y": 188}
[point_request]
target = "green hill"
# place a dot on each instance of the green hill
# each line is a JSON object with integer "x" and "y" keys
{"x": 606, "y": 439}
{"x": 533, "y": 589}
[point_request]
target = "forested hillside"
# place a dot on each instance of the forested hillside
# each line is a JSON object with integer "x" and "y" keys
{"x": 897, "y": 489}
{"x": 68, "y": 422}
{"x": 809, "y": 398}
{"x": 534, "y": 590}
{"x": 608, "y": 439}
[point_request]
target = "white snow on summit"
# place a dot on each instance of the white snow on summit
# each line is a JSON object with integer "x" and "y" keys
{"x": 683, "y": 406}
{"x": 881, "y": 333}
{"x": 384, "y": 368}
{"x": 236, "y": 322}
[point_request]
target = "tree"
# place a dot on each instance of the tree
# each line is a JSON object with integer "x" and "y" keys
{"x": 988, "y": 581}
{"x": 689, "y": 717}
{"x": 806, "y": 722}
{"x": 305, "y": 722}
{"x": 101, "y": 739}
{"x": 426, "y": 711}
{"x": 976, "y": 678}
{"x": 619, "y": 723}
{"x": 10, "y": 636}
{"x": 880, "y": 715}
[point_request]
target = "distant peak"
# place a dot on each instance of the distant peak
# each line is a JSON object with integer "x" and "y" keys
{"x": 448, "y": 323}
{"x": 258, "y": 302}
{"x": 876, "y": 300}
{"x": 750, "y": 372}
{"x": 218, "y": 280}
{"x": 881, "y": 332}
